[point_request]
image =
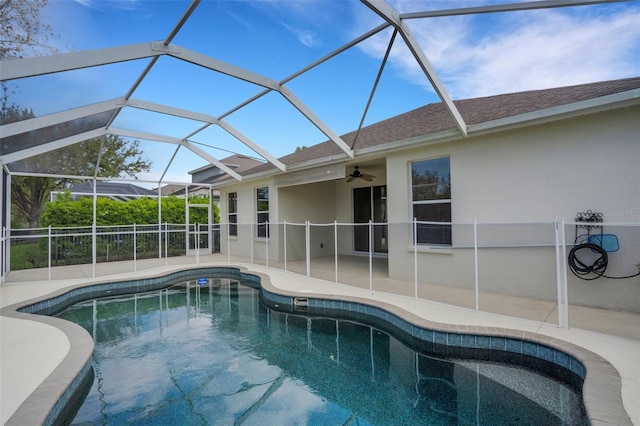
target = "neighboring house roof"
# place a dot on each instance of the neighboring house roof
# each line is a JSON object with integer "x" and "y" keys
{"x": 116, "y": 190}
{"x": 194, "y": 189}
{"x": 433, "y": 119}
{"x": 210, "y": 173}
{"x": 171, "y": 189}
{"x": 178, "y": 189}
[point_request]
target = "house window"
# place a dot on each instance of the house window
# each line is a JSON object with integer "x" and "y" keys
{"x": 233, "y": 214}
{"x": 262, "y": 216}
{"x": 431, "y": 200}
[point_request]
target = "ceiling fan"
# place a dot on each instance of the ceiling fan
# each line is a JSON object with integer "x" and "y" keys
{"x": 356, "y": 174}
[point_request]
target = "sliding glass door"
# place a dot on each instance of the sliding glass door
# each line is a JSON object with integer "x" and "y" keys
{"x": 370, "y": 204}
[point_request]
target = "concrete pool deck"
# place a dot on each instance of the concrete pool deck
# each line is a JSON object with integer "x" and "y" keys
{"x": 31, "y": 350}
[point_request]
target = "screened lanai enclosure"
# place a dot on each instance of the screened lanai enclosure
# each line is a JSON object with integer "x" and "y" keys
{"x": 197, "y": 97}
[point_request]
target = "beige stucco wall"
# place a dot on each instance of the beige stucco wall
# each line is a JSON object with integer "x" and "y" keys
{"x": 315, "y": 203}
{"x": 318, "y": 203}
{"x": 241, "y": 244}
{"x": 530, "y": 175}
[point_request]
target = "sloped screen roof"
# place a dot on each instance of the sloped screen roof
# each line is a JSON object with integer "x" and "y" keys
{"x": 262, "y": 78}
{"x": 40, "y": 136}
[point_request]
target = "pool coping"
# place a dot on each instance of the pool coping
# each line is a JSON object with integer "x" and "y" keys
{"x": 601, "y": 392}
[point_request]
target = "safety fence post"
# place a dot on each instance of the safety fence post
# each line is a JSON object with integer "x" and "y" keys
{"x": 94, "y": 252}
{"x": 370, "y": 256}
{"x": 251, "y": 227}
{"x": 229, "y": 241}
{"x": 49, "y": 253}
{"x": 284, "y": 229}
{"x": 563, "y": 246}
{"x": 559, "y": 261}
{"x": 266, "y": 248}
{"x": 196, "y": 232}
{"x": 4, "y": 252}
{"x": 335, "y": 246}
{"x": 135, "y": 250}
{"x": 307, "y": 248}
{"x": 415, "y": 257}
{"x": 475, "y": 255}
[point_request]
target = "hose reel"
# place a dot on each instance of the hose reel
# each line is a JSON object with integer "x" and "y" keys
{"x": 589, "y": 257}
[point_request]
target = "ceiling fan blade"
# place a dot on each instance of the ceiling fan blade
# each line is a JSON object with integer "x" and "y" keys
{"x": 350, "y": 178}
{"x": 368, "y": 178}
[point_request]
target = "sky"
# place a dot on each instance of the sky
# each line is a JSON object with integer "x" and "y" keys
{"x": 473, "y": 56}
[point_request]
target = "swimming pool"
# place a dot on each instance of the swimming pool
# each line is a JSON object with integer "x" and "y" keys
{"x": 215, "y": 354}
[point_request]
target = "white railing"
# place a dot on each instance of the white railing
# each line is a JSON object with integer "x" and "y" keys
{"x": 51, "y": 247}
{"x": 483, "y": 263}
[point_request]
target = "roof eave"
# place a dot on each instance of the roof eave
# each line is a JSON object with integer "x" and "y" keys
{"x": 575, "y": 109}
{"x": 561, "y": 112}
{"x": 248, "y": 178}
{"x": 317, "y": 162}
{"x": 430, "y": 139}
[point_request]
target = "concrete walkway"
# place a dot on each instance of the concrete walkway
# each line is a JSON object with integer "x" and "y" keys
{"x": 30, "y": 350}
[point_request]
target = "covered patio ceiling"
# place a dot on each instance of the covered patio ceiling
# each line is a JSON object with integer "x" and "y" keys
{"x": 196, "y": 131}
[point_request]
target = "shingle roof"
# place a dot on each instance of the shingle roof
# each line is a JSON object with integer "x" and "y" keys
{"x": 111, "y": 188}
{"x": 433, "y": 118}
{"x": 239, "y": 163}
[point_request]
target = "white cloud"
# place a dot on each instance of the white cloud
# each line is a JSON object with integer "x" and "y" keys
{"x": 115, "y": 4}
{"x": 304, "y": 36}
{"x": 552, "y": 49}
{"x": 521, "y": 51}
{"x": 86, "y": 3}
{"x": 310, "y": 21}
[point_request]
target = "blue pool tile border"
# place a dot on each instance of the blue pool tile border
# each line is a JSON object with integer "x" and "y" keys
{"x": 499, "y": 341}
{"x": 452, "y": 339}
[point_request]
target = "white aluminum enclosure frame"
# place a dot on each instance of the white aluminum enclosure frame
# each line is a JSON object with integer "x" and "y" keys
{"x": 23, "y": 68}
{"x": 72, "y": 61}
{"x": 394, "y": 18}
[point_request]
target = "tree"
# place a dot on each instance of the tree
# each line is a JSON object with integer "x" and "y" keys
{"x": 22, "y": 30}
{"x": 23, "y": 33}
{"x": 112, "y": 155}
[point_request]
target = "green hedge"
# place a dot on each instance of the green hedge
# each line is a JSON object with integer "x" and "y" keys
{"x": 65, "y": 212}
{"x": 112, "y": 246}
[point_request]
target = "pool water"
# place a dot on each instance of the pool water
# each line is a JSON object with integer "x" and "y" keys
{"x": 213, "y": 354}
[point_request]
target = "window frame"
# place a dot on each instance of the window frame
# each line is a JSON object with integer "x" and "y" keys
{"x": 262, "y": 230}
{"x": 232, "y": 213}
{"x": 427, "y": 233}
